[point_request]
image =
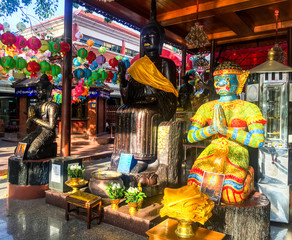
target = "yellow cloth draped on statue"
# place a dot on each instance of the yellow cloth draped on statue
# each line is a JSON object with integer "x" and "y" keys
{"x": 144, "y": 71}
{"x": 187, "y": 203}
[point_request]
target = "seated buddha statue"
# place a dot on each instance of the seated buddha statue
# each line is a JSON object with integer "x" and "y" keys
{"x": 149, "y": 97}
{"x": 44, "y": 114}
{"x": 233, "y": 125}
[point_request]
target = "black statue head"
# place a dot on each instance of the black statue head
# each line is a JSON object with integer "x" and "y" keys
{"x": 152, "y": 35}
{"x": 44, "y": 87}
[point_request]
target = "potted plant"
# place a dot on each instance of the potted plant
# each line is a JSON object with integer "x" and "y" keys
{"x": 76, "y": 173}
{"x": 115, "y": 192}
{"x": 133, "y": 196}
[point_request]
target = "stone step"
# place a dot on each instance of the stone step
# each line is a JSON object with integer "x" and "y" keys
{"x": 146, "y": 218}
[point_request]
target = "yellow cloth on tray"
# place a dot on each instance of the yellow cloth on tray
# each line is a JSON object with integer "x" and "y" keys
{"x": 144, "y": 71}
{"x": 83, "y": 196}
{"x": 187, "y": 203}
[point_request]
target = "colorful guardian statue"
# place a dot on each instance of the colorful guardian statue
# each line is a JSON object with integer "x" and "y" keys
{"x": 233, "y": 125}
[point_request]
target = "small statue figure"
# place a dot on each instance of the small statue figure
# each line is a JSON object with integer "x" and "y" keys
{"x": 40, "y": 142}
{"x": 149, "y": 98}
{"x": 233, "y": 124}
{"x": 201, "y": 95}
{"x": 185, "y": 93}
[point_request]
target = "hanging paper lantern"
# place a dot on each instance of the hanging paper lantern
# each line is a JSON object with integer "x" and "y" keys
{"x": 34, "y": 43}
{"x": 20, "y": 42}
{"x": 115, "y": 78}
{"x": 95, "y": 75}
{"x": 113, "y": 62}
{"x": 79, "y": 35}
{"x": 110, "y": 76}
{"x": 58, "y": 79}
{"x": 54, "y": 47}
{"x": 127, "y": 62}
{"x": 45, "y": 66}
{"x": 11, "y": 51}
{"x": 56, "y": 69}
{"x": 90, "y": 43}
{"x": 27, "y": 73}
{"x": 11, "y": 78}
{"x": 100, "y": 59}
{"x": 79, "y": 73}
{"x": 102, "y": 50}
{"x": 20, "y": 63}
{"x": 103, "y": 75}
{"x": 8, "y": 38}
{"x": 91, "y": 57}
{"x": 65, "y": 47}
{"x": 6, "y": 26}
{"x": 76, "y": 62}
{"x": 92, "y": 67}
{"x": 87, "y": 73}
{"x": 119, "y": 57}
{"x": 33, "y": 67}
{"x": 20, "y": 26}
{"x": 82, "y": 53}
{"x": 89, "y": 81}
{"x": 1, "y": 27}
{"x": 7, "y": 63}
{"x": 95, "y": 64}
{"x": 44, "y": 47}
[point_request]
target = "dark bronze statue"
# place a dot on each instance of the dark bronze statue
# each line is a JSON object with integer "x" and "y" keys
{"x": 185, "y": 92}
{"x": 146, "y": 102}
{"x": 40, "y": 142}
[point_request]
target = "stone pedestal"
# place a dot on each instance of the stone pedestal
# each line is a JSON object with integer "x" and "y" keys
{"x": 170, "y": 152}
{"x": 59, "y": 173}
{"x": 27, "y": 179}
{"x": 249, "y": 220}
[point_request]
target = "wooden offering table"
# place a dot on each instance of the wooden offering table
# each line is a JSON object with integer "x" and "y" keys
{"x": 86, "y": 201}
{"x": 166, "y": 231}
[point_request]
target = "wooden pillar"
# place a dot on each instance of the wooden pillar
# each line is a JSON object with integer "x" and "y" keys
{"x": 67, "y": 83}
{"x": 212, "y": 58}
{"x": 289, "y": 51}
{"x": 183, "y": 61}
{"x": 22, "y": 117}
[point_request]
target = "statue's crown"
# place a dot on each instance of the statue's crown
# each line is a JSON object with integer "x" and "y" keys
{"x": 232, "y": 68}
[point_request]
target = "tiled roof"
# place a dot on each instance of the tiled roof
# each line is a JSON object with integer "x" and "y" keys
{"x": 111, "y": 25}
{"x": 95, "y": 18}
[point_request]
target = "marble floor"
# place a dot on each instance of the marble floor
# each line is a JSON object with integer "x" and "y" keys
{"x": 36, "y": 220}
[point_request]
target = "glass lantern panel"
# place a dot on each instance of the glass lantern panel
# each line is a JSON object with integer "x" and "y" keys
{"x": 273, "y": 112}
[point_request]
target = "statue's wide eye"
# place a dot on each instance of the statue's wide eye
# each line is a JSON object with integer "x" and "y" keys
{"x": 227, "y": 79}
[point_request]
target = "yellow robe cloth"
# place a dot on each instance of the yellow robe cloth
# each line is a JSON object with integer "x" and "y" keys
{"x": 144, "y": 71}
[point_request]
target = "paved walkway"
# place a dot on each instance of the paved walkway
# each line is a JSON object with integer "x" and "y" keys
{"x": 87, "y": 152}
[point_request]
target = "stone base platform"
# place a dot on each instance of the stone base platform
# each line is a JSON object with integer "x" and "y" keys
{"x": 249, "y": 220}
{"x": 56, "y": 198}
{"x": 26, "y": 192}
{"x": 146, "y": 217}
{"x": 27, "y": 179}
